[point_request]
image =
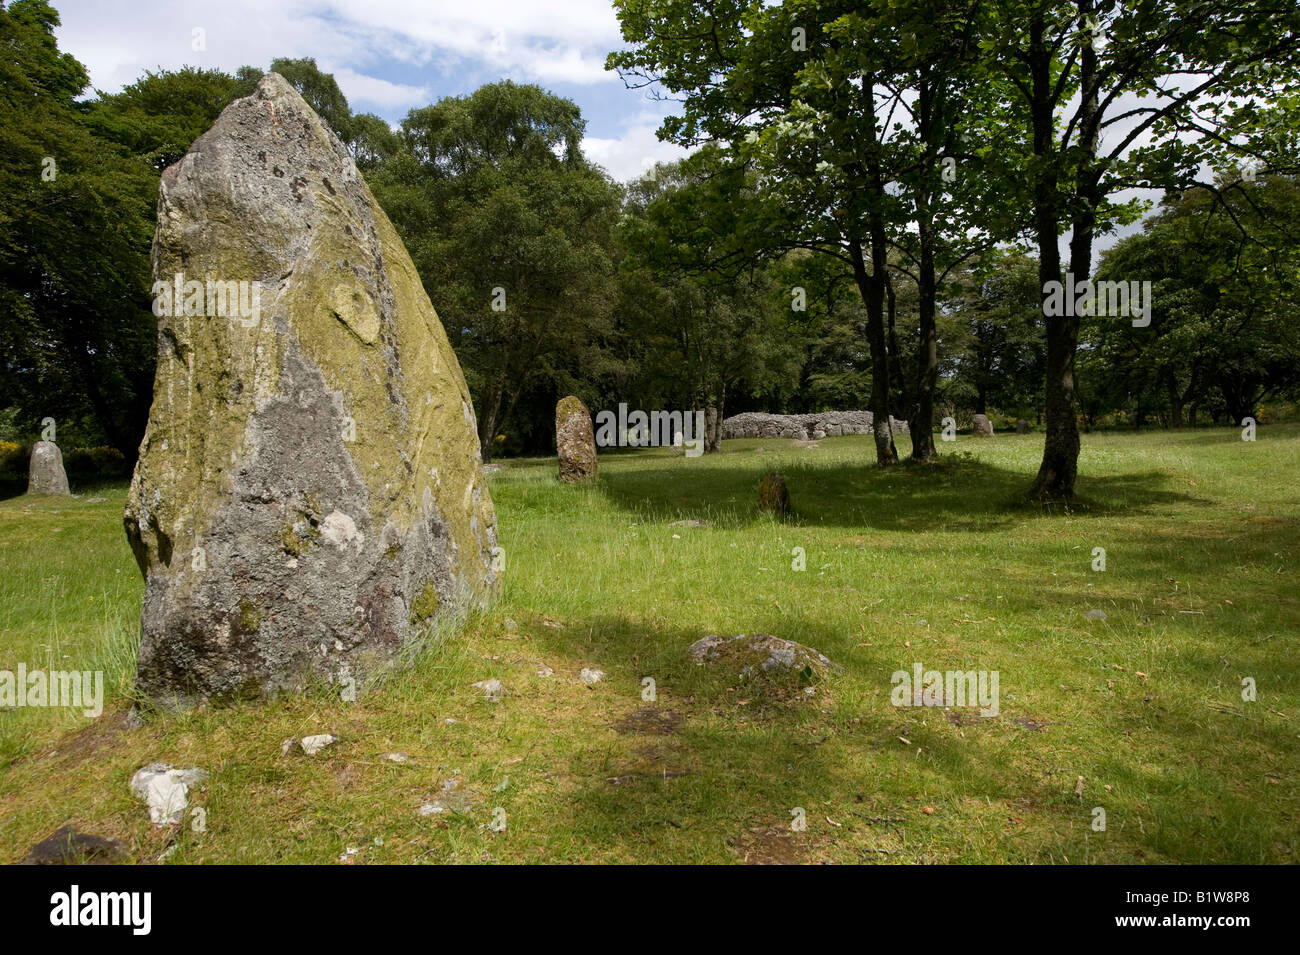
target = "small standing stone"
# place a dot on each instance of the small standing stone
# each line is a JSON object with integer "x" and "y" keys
{"x": 1022, "y": 426}
{"x": 46, "y": 475}
{"x": 575, "y": 441}
{"x": 773, "y": 495}
{"x": 982, "y": 426}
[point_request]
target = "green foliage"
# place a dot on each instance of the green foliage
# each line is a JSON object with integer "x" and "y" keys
{"x": 76, "y": 220}
{"x": 512, "y": 232}
{"x": 1225, "y": 271}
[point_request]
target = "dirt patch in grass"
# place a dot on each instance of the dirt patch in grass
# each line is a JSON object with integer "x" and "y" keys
{"x": 650, "y": 719}
{"x": 771, "y": 845}
{"x": 81, "y": 746}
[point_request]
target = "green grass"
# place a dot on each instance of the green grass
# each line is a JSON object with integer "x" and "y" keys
{"x": 939, "y": 565}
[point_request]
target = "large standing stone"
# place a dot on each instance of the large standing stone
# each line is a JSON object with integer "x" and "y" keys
{"x": 982, "y": 426}
{"x": 309, "y": 498}
{"x": 574, "y": 441}
{"x": 46, "y": 474}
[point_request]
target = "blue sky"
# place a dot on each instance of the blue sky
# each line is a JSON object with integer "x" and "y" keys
{"x": 387, "y": 55}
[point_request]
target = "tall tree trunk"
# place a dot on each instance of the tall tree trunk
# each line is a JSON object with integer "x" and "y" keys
{"x": 896, "y": 374}
{"x": 487, "y": 422}
{"x": 1175, "y": 400}
{"x": 1060, "y": 464}
{"x": 872, "y": 287}
{"x": 921, "y": 423}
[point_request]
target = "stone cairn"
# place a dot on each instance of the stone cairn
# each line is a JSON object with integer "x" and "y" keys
{"x": 803, "y": 427}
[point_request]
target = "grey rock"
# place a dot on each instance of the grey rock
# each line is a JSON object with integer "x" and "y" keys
{"x": 311, "y": 745}
{"x": 575, "y": 441}
{"x": 760, "y": 653}
{"x": 166, "y": 790}
{"x": 803, "y": 427}
{"x": 45, "y": 474}
{"x": 309, "y": 498}
{"x": 982, "y": 426}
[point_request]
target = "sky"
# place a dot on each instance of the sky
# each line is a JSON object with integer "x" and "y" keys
{"x": 388, "y": 56}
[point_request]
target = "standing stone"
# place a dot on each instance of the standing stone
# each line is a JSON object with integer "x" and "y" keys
{"x": 1022, "y": 426}
{"x": 46, "y": 474}
{"x": 982, "y": 426}
{"x": 575, "y": 441}
{"x": 309, "y": 499}
{"x": 773, "y": 495}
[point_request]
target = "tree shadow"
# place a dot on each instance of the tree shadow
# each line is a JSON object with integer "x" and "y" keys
{"x": 907, "y": 497}
{"x": 737, "y": 760}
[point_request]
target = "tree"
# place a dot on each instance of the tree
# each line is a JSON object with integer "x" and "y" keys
{"x": 996, "y": 347}
{"x": 1077, "y": 65}
{"x": 1225, "y": 272}
{"x": 77, "y": 219}
{"x": 512, "y": 232}
{"x": 711, "y": 328}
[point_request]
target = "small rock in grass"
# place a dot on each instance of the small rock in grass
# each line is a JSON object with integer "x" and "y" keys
{"x": 451, "y": 799}
{"x": 166, "y": 790}
{"x": 1095, "y": 615}
{"x": 590, "y": 676}
{"x": 397, "y": 757}
{"x": 67, "y": 846}
{"x": 492, "y": 689}
{"x": 544, "y": 670}
{"x": 311, "y": 745}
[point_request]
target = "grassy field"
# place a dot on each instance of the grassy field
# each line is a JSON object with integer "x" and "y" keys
{"x": 1140, "y": 714}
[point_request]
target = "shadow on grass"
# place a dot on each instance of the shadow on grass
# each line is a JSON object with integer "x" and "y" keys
{"x": 743, "y": 754}
{"x": 957, "y": 493}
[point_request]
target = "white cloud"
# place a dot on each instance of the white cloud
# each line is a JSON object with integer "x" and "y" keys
{"x": 363, "y": 91}
{"x": 630, "y": 155}
{"x": 523, "y": 39}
